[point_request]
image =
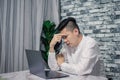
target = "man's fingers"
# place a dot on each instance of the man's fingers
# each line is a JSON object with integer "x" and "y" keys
{"x": 60, "y": 56}
{"x": 60, "y": 35}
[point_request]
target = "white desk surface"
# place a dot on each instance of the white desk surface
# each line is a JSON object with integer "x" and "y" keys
{"x": 25, "y": 75}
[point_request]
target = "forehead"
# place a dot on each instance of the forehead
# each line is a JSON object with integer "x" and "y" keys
{"x": 65, "y": 31}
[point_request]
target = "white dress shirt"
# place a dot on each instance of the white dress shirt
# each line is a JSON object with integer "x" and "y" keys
{"x": 79, "y": 60}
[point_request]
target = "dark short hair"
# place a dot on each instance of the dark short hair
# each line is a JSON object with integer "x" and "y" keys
{"x": 69, "y": 23}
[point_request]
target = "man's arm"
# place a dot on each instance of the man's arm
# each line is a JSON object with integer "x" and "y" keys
{"x": 52, "y": 61}
{"x": 52, "y": 56}
{"x": 85, "y": 63}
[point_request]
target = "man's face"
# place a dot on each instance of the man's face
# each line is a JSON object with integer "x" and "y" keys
{"x": 70, "y": 37}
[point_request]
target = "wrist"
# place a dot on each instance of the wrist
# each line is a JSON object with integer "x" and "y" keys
{"x": 51, "y": 49}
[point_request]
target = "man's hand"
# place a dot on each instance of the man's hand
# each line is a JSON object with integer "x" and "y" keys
{"x": 56, "y": 38}
{"x": 60, "y": 59}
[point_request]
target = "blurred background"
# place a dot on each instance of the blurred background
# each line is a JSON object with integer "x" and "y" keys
{"x": 21, "y": 25}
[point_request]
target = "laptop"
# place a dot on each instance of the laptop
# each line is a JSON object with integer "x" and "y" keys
{"x": 37, "y": 66}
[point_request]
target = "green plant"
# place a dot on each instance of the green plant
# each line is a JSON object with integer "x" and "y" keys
{"x": 46, "y": 36}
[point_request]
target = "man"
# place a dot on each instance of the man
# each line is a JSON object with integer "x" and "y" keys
{"x": 79, "y": 54}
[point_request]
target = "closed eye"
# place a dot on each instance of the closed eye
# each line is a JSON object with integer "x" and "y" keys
{"x": 64, "y": 37}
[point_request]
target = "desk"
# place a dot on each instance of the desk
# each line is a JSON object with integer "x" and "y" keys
{"x": 25, "y": 75}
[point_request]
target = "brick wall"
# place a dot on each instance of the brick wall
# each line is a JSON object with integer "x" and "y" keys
{"x": 99, "y": 19}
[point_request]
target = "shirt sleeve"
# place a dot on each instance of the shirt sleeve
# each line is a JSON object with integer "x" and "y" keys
{"x": 52, "y": 61}
{"x": 86, "y": 61}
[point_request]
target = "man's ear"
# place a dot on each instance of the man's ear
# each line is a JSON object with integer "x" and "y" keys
{"x": 75, "y": 31}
